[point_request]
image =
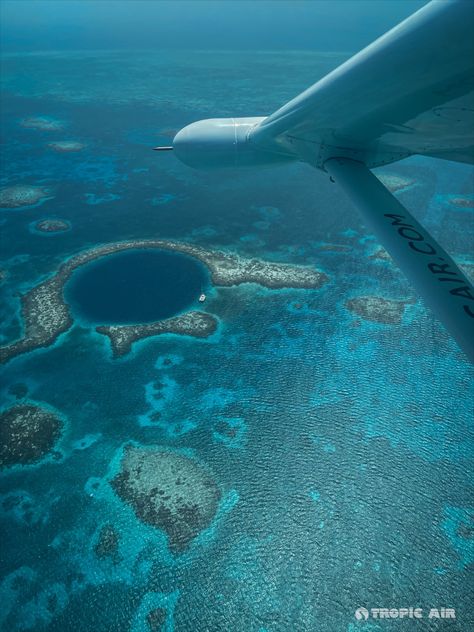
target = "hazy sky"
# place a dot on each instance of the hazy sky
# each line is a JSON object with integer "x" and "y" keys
{"x": 308, "y": 24}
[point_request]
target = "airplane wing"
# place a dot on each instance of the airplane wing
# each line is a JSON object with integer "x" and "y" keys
{"x": 409, "y": 92}
{"x": 443, "y": 286}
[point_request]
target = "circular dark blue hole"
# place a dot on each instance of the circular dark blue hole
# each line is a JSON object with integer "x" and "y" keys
{"x": 137, "y": 286}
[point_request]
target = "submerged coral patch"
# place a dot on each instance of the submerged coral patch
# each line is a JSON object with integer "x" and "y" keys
{"x": 463, "y": 202}
{"x": 45, "y": 123}
{"x": 458, "y": 527}
{"x": 156, "y": 619}
{"x": 51, "y": 226}
{"x": 230, "y": 431}
{"x": 66, "y": 146}
{"x": 107, "y": 544}
{"x": 22, "y": 195}
{"x": 45, "y": 605}
{"x": 156, "y": 612}
{"x": 377, "y": 309}
{"x": 394, "y": 182}
{"x": 27, "y": 434}
{"x": 19, "y": 390}
{"x": 20, "y": 505}
{"x": 380, "y": 255}
{"x": 169, "y": 491}
{"x": 325, "y": 247}
{"x": 164, "y": 198}
{"x": 93, "y": 199}
{"x": 168, "y": 361}
{"x": 159, "y": 394}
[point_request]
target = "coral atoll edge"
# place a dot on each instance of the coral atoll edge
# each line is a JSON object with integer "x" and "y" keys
{"x": 46, "y": 314}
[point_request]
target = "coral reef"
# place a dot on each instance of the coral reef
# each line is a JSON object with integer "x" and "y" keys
{"x": 44, "y": 123}
{"x": 155, "y": 612}
{"x": 66, "y": 146}
{"x": 381, "y": 254}
{"x": 19, "y": 390}
{"x": 122, "y": 337}
{"x": 377, "y": 309}
{"x": 46, "y": 315}
{"x": 230, "y": 431}
{"x": 394, "y": 183}
{"x": 21, "y": 195}
{"x": 51, "y": 226}
{"x": 27, "y": 434}
{"x": 107, "y": 545}
{"x": 155, "y": 619}
{"x": 335, "y": 247}
{"x": 463, "y": 202}
{"x": 169, "y": 491}
{"x": 230, "y": 269}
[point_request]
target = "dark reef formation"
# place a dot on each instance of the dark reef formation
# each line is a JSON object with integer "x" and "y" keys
{"x": 229, "y": 431}
{"x": 169, "y": 491}
{"x": 44, "y": 123}
{"x": 122, "y": 337}
{"x": 465, "y": 531}
{"x": 377, "y": 309}
{"x": 381, "y": 254}
{"x": 27, "y": 434}
{"x": 335, "y": 248}
{"x": 156, "y": 619}
{"x": 46, "y": 315}
{"x": 18, "y": 390}
{"x": 462, "y": 202}
{"x": 52, "y": 226}
{"x": 225, "y": 429}
{"x": 107, "y": 545}
{"x": 66, "y": 146}
{"x": 394, "y": 183}
{"x": 21, "y": 195}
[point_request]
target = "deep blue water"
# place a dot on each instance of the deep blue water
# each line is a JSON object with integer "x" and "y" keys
{"x": 347, "y": 478}
{"x": 136, "y": 287}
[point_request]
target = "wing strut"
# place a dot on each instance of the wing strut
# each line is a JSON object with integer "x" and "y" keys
{"x": 440, "y": 282}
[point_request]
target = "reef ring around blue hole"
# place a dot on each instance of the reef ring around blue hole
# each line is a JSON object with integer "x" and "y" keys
{"x": 136, "y": 286}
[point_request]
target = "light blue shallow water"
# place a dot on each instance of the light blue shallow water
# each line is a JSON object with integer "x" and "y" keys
{"x": 342, "y": 448}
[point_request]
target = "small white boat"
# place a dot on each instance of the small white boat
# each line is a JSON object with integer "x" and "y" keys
{"x": 202, "y": 298}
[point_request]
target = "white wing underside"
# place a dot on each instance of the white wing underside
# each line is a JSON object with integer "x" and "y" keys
{"x": 410, "y": 92}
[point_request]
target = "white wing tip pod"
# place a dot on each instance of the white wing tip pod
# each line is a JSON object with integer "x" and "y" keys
{"x": 222, "y": 142}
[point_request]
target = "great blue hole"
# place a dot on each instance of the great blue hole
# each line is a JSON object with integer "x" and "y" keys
{"x": 137, "y": 286}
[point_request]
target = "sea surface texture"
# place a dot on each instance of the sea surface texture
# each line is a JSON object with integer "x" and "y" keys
{"x": 312, "y": 455}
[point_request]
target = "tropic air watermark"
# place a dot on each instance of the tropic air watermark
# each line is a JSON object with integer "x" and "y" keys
{"x": 363, "y": 614}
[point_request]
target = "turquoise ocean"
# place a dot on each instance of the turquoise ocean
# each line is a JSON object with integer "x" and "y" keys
{"x": 346, "y": 478}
